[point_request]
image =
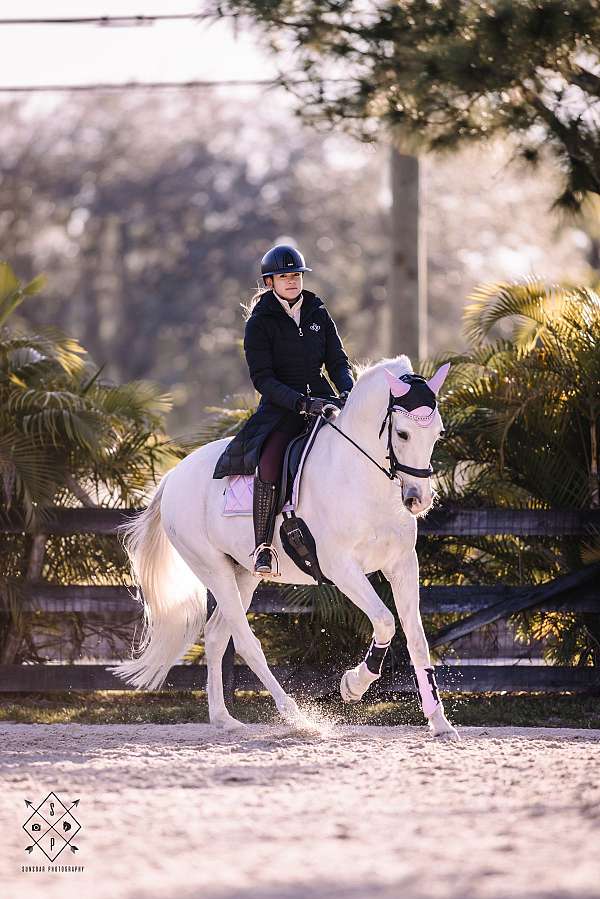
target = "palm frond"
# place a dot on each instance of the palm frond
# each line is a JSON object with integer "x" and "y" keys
{"x": 491, "y": 303}
{"x": 224, "y": 422}
{"x": 140, "y": 401}
{"x": 28, "y": 477}
{"x": 12, "y": 293}
{"x": 49, "y": 345}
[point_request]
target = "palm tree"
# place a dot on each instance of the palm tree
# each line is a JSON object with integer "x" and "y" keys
{"x": 67, "y": 438}
{"x": 521, "y": 413}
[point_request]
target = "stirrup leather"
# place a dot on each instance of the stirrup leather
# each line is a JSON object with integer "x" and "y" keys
{"x": 275, "y": 555}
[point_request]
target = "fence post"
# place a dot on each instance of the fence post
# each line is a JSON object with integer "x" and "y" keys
{"x": 229, "y": 672}
{"x": 227, "y": 666}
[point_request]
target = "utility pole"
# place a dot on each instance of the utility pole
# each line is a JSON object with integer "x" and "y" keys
{"x": 407, "y": 288}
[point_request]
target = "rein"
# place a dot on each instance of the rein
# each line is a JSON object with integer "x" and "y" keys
{"x": 395, "y": 465}
{"x": 387, "y": 473}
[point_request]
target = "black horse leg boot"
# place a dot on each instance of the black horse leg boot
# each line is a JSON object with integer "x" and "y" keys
{"x": 264, "y": 514}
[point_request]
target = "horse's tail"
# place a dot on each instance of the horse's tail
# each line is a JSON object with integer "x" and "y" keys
{"x": 174, "y": 600}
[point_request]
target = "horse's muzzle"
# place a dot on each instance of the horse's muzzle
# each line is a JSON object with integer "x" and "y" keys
{"x": 415, "y": 500}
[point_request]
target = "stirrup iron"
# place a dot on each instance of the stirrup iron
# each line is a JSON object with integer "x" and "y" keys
{"x": 274, "y": 554}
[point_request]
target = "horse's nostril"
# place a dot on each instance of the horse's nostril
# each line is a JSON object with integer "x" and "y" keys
{"x": 411, "y": 501}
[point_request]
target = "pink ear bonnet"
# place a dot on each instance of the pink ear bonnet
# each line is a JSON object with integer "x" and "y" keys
{"x": 418, "y": 396}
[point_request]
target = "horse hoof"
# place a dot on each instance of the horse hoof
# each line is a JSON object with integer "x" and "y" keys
{"x": 290, "y": 712}
{"x": 229, "y": 724}
{"x": 448, "y": 736}
{"x": 294, "y": 717}
{"x": 345, "y": 691}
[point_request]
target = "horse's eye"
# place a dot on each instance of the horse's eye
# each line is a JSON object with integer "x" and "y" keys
{"x": 403, "y": 435}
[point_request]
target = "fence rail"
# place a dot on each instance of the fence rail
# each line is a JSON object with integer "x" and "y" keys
{"x": 449, "y": 521}
{"x": 267, "y": 599}
{"x": 313, "y": 681}
{"x": 578, "y": 591}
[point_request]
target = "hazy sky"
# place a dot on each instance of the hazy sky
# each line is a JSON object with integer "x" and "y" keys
{"x": 165, "y": 51}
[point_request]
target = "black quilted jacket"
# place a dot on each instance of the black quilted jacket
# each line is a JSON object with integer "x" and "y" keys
{"x": 285, "y": 363}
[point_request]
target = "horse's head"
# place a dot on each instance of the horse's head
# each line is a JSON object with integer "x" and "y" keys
{"x": 414, "y": 425}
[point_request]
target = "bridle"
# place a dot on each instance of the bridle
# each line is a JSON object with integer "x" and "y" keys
{"x": 395, "y": 466}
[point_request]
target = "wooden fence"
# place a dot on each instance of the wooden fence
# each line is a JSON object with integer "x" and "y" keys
{"x": 578, "y": 591}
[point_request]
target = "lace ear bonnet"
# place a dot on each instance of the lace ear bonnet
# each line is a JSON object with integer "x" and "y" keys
{"x": 415, "y": 397}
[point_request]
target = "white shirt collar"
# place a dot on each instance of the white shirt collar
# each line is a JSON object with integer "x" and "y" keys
{"x": 293, "y": 312}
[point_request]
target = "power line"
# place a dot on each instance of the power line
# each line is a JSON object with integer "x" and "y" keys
{"x": 146, "y": 85}
{"x": 131, "y": 85}
{"x": 115, "y": 20}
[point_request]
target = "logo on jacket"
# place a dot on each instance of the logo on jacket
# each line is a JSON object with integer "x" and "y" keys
{"x": 315, "y": 327}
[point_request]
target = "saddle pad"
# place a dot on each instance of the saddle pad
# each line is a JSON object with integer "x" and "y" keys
{"x": 239, "y": 488}
{"x": 239, "y": 493}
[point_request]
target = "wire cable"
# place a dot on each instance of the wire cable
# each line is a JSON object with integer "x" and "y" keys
{"x": 144, "y": 85}
{"x": 115, "y": 20}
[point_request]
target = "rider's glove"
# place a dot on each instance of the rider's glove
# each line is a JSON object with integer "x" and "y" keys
{"x": 310, "y": 405}
{"x": 343, "y": 396}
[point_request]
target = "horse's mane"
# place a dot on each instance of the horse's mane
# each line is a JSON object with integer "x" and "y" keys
{"x": 399, "y": 365}
{"x": 367, "y": 373}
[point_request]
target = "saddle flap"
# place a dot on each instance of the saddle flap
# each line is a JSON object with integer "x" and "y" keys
{"x": 295, "y": 456}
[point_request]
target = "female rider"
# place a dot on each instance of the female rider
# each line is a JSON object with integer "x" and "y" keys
{"x": 289, "y": 335}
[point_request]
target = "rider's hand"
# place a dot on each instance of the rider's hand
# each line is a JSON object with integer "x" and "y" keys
{"x": 311, "y": 405}
{"x": 315, "y": 406}
{"x": 343, "y": 397}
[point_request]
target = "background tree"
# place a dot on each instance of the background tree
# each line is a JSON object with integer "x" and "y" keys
{"x": 153, "y": 216}
{"x": 149, "y": 216}
{"x": 450, "y": 72}
{"x": 67, "y": 437}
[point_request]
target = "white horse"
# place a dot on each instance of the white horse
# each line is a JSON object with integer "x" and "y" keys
{"x": 361, "y": 519}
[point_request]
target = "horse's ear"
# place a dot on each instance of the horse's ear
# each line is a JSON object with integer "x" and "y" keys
{"x": 435, "y": 383}
{"x": 398, "y": 387}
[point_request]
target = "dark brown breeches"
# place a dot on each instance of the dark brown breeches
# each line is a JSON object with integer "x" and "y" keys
{"x": 273, "y": 450}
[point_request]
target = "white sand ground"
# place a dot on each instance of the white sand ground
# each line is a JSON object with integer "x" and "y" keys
{"x": 355, "y": 812}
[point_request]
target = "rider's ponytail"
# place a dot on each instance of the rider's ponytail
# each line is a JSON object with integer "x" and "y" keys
{"x": 249, "y": 306}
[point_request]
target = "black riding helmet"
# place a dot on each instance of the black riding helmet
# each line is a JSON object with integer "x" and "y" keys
{"x": 281, "y": 259}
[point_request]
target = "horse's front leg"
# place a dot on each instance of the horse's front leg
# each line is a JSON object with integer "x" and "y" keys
{"x": 404, "y": 580}
{"x": 352, "y": 581}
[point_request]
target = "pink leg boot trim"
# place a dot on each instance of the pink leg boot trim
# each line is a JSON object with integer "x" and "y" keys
{"x": 425, "y": 682}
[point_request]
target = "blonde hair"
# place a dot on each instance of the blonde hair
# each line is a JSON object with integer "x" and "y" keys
{"x": 249, "y": 306}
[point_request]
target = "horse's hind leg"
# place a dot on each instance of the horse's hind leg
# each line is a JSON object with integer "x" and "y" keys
{"x": 216, "y": 572}
{"x": 216, "y": 637}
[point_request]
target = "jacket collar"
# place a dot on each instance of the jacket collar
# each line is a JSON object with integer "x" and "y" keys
{"x": 270, "y": 305}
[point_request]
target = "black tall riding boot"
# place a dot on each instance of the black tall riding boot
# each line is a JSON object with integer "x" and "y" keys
{"x": 264, "y": 514}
